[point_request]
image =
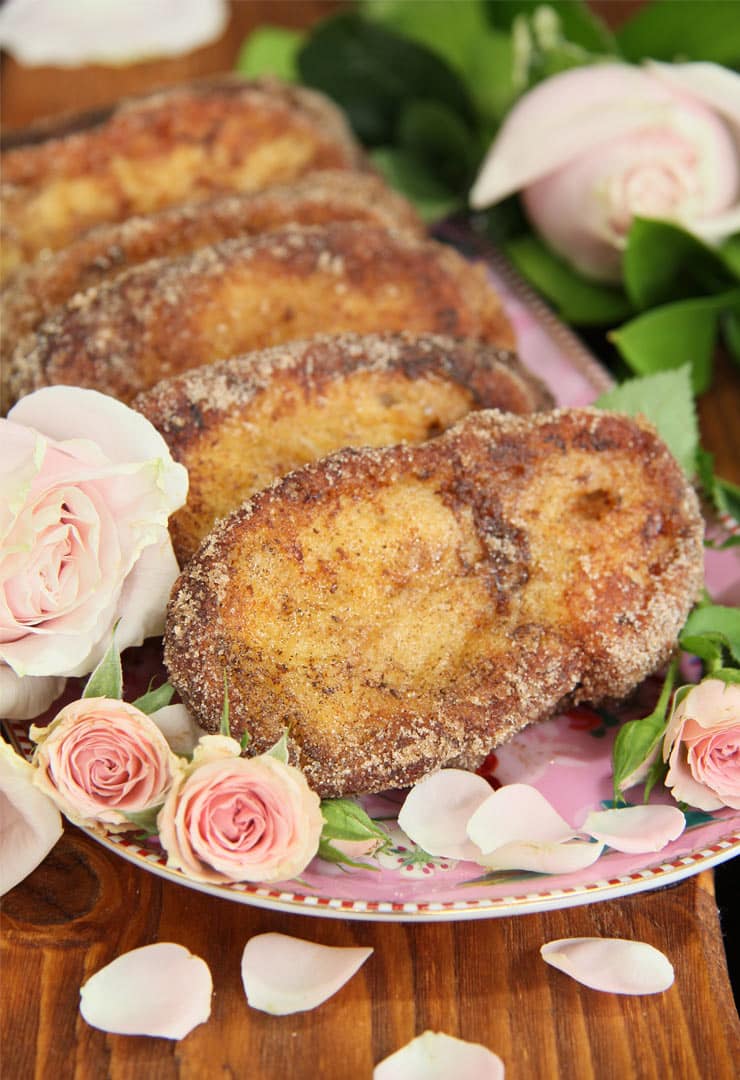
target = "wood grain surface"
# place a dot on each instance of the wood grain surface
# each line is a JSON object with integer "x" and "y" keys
{"x": 481, "y": 980}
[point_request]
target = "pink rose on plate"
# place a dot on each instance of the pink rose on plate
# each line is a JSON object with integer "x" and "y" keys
{"x": 593, "y": 147}
{"x": 230, "y": 818}
{"x": 86, "y": 488}
{"x": 101, "y": 759}
{"x": 702, "y": 746}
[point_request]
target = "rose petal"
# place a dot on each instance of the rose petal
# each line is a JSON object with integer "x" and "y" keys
{"x": 611, "y": 964}
{"x": 436, "y": 812}
{"x": 160, "y": 990}
{"x": 560, "y": 118}
{"x": 516, "y": 813}
{"x": 713, "y": 84}
{"x": 435, "y": 1056}
{"x": 543, "y": 857}
{"x": 636, "y": 829}
{"x": 30, "y": 824}
{"x": 283, "y": 974}
{"x": 178, "y": 727}
{"x": 25, "y": 697}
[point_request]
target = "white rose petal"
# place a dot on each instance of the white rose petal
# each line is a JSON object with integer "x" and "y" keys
{"x": 544, "y": 857}
{"x": 514, "y": 813}
{"x": 435, "y": 1056}
{"x": 636, "y": 829}
{"x": 613, "y": 965}
{"x": 21, "y": 698}
{"x": 30, "y": 823}
{"x": 436, "y": 812}
{"x": 283, "y": 974}
{"x": 178, "y": 727}
{"x": 161, "y": 990}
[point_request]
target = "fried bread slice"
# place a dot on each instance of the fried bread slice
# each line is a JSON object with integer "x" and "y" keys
{"x": 102, "y": 253}
{"x": 169, "y": 315}
{"x": 178, "y": 145}
{"x": 407, "y": 608}
{"x": 239, "y": 424}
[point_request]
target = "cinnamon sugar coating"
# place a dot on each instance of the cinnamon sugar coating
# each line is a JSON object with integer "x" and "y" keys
{"x": 104, "y": 252}
{"x": 177, "y": 145}
{"x": 239, "y": 424}
{"x": 408, "y": 608}
{"x": 169, "y": 315}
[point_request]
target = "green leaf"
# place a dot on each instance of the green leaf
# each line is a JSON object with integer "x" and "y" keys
{"x": 245, "y": 740}
{"x": 730, "y": 252}
{"x": 669, "y": 337}
{"x": 331, "y": 854}
{"x": 580, "y": 26}
{"x": 409, "y": 175}
{"x": 225, "y": 726}
{"x": 155, "y": 699}
{"x": 731, "y": 333}
{"x": 663, "y": 262}
{"x": 723, "y": 494}
{"x": 666, "y": 400}
{"x": 577, "y": 300}
{"x": 717, "y": 622}
{"x": 683, "y": 30}
{"x": 280, "y": 750}
{"x": 107, "y": 678}
{"x": 637, "y": 740}
{"x": 344, "y": 819}
{"x": 372, "y": 72}
{"x": 146, "y": 820}
{"x": 727, "y": 675}
{"x": 271, "y": 50}
{"x": 435, "y": 135}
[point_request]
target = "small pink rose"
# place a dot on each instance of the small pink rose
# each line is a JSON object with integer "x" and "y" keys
{"x": 101, "y": 759}
{"x": 230, "y": 818}
{"x": 594, "y": 147}
{"x": 702, "y": 746}
{"x": 86, "y": 488}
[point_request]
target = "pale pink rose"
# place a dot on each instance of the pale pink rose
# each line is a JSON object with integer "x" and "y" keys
{"x": 101, "y": 759}
{"x": 86, "y": 488}
{"x": 593, "y": 147}
{"x": 702, "y": 746}
{"x": 229, "y": 818}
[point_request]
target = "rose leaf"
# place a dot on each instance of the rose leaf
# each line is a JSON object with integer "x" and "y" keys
{"x": 106, "y": 680}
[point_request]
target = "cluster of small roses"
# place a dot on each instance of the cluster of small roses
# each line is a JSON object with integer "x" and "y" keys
{"x": 220, "y": 817}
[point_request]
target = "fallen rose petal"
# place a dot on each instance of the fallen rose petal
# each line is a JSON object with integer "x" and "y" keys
{"x": 513, "y": 814}
{"x": 437, "y": 810}
{"x": 543, "y": 857}
{"x": 283, "y": 974}
{"x": 30, "y": 823}
{"x": 178, "y": 727}
{"x": 636, "y": 829}
{"x": 161, "y": 990}
{"x": 436, "y": 1056}
{"x": 31, "y": 695}
{"x": 613, "y": 965}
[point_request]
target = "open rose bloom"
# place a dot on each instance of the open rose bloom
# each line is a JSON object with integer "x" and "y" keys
{"x": 591, "y": 148}
{"x": 229, "y": 818}
{"x": 101, "y": 759}
{"x": 86, "y": 488}
{"x": 702, "y": 746}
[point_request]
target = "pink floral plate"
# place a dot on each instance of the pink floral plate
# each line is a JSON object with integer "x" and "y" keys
{"x": 568, "y": 758}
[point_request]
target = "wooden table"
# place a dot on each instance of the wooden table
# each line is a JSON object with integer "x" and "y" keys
{"x": 481, "y": 980}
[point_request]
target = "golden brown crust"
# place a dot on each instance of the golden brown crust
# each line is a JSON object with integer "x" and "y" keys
{"x": 412, "y": 607}
{"x": 174, "y": 146}
{"x": 103, "y": 253}
{"x": 168, "y": 316}
{"x": 239, "y": 424}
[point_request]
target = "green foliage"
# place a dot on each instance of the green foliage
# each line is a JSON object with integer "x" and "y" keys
{"x": 373, "y": 72}
{"x": 404, "y": 171}
{"x": 577, "y": 300}
{"x": 674, "y": 335}
{"x": 638, "y": 741}
{"x": 580, "y": 26}
{"x": 677, "y": 30}
{"x": 710, "y": 630}
{"x": 344, "y": 819}
{"x": 666, "y": 400}
{"x": 107, "y": 678}
{"x": 664, "y": 262}
{"x": 155, "y": 699}
{"x": 271, "y": 50}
